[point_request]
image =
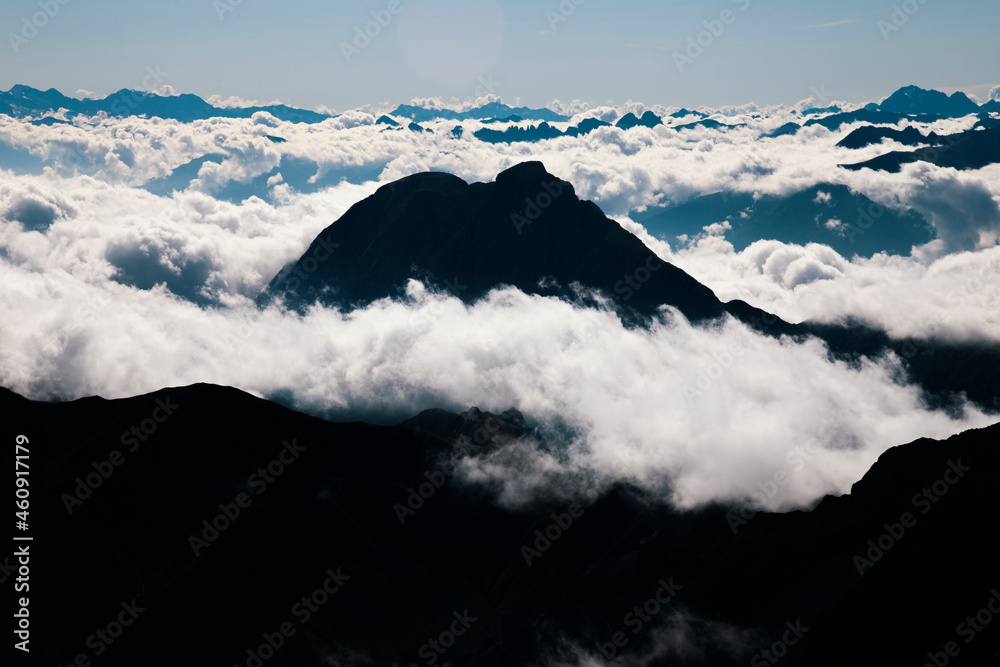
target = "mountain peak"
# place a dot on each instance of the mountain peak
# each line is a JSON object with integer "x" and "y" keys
{"x": 527, "y": 229}
{"x": 915, "y": 100}
{"x": 529, "y": 172}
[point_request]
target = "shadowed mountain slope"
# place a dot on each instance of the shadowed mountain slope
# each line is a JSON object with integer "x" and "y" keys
{"x": 213, "y": 519}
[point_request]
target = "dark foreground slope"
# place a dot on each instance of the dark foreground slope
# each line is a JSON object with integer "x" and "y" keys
{"x": 122, "y": 492}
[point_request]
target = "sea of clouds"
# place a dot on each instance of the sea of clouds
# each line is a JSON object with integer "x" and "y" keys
{"x": 108, "y": 289}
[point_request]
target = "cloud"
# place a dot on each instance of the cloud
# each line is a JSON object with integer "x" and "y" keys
{"x": 236, "y": 102}
{"x": 693, "y": 413}
{"x": 951, "y": 297}
{"x": 682, "y": 638}
{"x": 111, "y": 290}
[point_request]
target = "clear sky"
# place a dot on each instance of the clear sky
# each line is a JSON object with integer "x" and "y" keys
{"x": 769, "y": 51}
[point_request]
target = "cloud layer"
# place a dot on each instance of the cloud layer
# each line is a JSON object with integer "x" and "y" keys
{"x": 108, "y": 289}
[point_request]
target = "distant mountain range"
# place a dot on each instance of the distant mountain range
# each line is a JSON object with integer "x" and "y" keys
{"x": 234, "y": 526}
{"x": 847, "y": 221}
{"x": 492, "y": 110}
{"x": 914, "y": 100}
{"x": 907, "y": 102}
{"x": 972, "y": 149}
{"x": 21, "y": 101}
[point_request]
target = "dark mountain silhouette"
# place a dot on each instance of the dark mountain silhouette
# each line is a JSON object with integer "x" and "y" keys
{"x": 629, "y": 120}
{"x": 868, "y": 135}
{"x": 987, "y": 122}
{"x": 437, "y": 227}
{"x": 494, "y": 110}
{"x": 825, "y": 213}
{"x": 973, "y": 149}
{"x": 813, "y": 111}
{"x": 681, "y": 113}
{"x": 707, "y": 123}
{"x": 872, "y": 116}
{"x": 544, "y": 131}
{"x": 209, "y": 520}
{"x": 787, "y": 128}
{"x": 914, "y": 100}
{"x": 532, "y": 133}
{"x": 23, "y": 101}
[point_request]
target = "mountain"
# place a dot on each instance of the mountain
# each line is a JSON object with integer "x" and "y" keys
{"x": 869, "y": 135}
{"x": 629, "y": 120}
{"x": 201, "y": 525}
{"x": 708, "y": 123}
{"x": 824, "y": 213}
{"x": 437, "y": 227}
{"x": 813, "y": 111}
{"x": 22, "y": 101}
{"x": 531, "y": 133}
{"x": 972, "y": 149}
{"x": 681, "y": 113}
{"x": 786, "y": 129}
{"x": 492, "y": 110}
{"x": 529, "y": 230}
{"x": 871, "y": 116}
{"x": 540, "y": 132}
{"x": 302, "y": 174}
{"x": 914, "y": 100}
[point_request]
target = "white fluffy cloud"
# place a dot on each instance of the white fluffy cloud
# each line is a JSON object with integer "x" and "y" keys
{"x": 699, "y": 413}
{"x": 93, "y": 267}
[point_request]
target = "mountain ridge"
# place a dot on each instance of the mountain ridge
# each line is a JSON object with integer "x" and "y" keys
{"x": 410, "y": 542}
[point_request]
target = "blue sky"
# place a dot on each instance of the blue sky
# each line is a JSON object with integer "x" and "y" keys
{"x": 766, "y": 51}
